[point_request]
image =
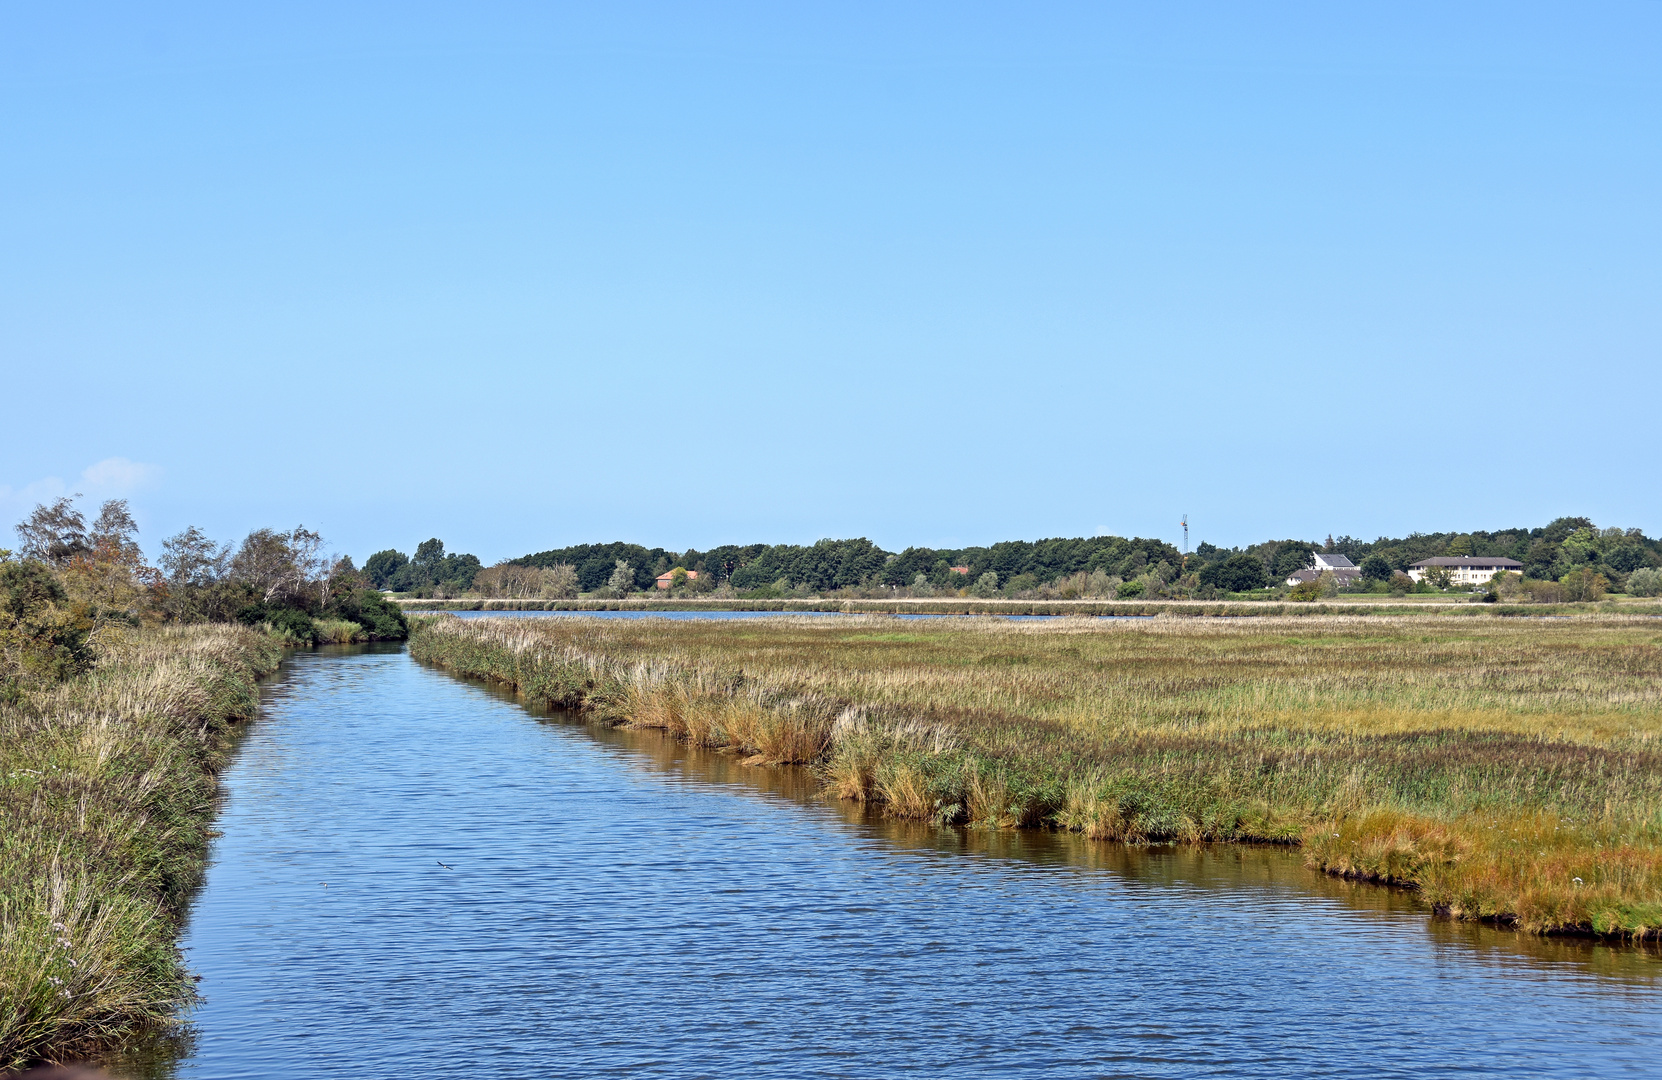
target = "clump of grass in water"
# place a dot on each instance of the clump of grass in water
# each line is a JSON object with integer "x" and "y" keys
{"x": 106, "y": 792}
{"x": 339, "y": 632}
{"x": 1444, "y": 753}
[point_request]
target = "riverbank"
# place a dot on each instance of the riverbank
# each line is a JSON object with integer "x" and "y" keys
{"x": 107, "y": 788}
{"x": 1505, "y": 769}
{"x": 1470, "y": 608}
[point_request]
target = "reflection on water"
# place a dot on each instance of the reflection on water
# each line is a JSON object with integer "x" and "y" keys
{"x": 526, "y": 895}
{"x": 1228, "y": 867}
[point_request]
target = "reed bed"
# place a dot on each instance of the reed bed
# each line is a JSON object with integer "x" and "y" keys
{"x": 106, "y": 797}
{"x": 1507, "y": 769}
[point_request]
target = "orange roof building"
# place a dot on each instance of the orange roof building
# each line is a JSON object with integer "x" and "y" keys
{"x": 665, "y": 580}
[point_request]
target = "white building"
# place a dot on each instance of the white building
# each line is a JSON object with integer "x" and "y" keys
{"x": 1344, "y": 571}
{"x": 1466, "y": 569}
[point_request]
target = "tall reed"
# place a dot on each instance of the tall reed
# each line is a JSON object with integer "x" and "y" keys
{"x": 106, "y": 797}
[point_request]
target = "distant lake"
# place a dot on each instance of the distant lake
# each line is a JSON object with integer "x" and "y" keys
{"x": 615, "y": 904}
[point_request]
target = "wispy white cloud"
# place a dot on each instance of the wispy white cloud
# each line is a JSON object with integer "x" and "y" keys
{"x": 111, "y": 478}
{"x": 15, "y": 503}
{"x": 119, "y": 476}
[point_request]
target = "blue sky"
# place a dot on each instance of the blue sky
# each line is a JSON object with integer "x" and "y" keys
{"x": 520, "y": 276}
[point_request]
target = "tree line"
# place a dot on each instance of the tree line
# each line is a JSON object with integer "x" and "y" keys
{"x": 72, "y": 582}
{"x": 841, "y": 564}
{"x": 1092, "y": 566}
{"x": 1566, "y": 548}
{"x": 1059, "y": 567}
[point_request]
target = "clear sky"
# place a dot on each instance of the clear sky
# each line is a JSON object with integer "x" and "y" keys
{"x": 520, "y": 276}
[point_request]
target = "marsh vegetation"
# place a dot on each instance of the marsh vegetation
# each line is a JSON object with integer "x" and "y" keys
{"x": 106, "y": 799}
{"x": 1505, "y": 769}
{"x": 120, "y": 684}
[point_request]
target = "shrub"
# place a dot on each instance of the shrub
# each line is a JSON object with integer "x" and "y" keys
{"x": 42, "y": 637}
{"x": 381, "y": 619}
{"x": 292, "y": 625}
{"x": 986, "y": 585}
{"x": 1507, "y": 586}
{"x": 1543, "y": 592}
{"x": 559, "y": 582}
{"x": 1584, "y": 585}
{"x": 1022, "y": 583}
{"x": 1305, "y": 591}
{"x": 1645, "y": 581}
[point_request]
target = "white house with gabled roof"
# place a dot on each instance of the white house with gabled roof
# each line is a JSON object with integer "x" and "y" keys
{"x": 1343, "y": 570}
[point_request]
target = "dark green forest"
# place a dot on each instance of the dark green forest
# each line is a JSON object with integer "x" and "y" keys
{"x": 838, "y": 564}
{"x": 1549, "y": 552}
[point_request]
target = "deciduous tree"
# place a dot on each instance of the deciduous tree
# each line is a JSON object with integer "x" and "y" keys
{"x": 53, "y": 533}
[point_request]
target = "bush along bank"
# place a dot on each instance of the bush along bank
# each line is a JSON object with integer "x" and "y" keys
{"x": 358, "y": 615}
{"x": 107, "y": 785}
{"x": 1503, "y": 769}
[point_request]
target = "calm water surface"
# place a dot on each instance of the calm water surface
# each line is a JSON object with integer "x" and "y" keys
{"x": 618, "y": 905}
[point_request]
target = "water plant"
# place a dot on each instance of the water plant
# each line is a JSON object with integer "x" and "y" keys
{"x": 1507, "y": 769}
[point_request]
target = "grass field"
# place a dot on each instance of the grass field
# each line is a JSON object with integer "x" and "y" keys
{"x": 106, "y": 800}
{"x": 1507, "y": 769}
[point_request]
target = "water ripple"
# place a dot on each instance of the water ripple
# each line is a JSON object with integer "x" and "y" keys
{"x": 620, "y": 905}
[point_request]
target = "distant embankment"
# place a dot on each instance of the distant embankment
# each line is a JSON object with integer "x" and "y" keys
{"x": 961, "y": 606}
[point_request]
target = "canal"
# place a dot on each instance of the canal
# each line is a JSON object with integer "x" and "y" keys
{"x": 420, "y": 877}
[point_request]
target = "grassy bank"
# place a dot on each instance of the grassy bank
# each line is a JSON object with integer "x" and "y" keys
{"x": 1466, "y": 608}
{"x": 106, "y": 798}
{"x": 1507, "y": 769}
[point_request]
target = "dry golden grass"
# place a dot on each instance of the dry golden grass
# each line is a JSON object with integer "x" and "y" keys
{"x": 1437, "y": 752}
